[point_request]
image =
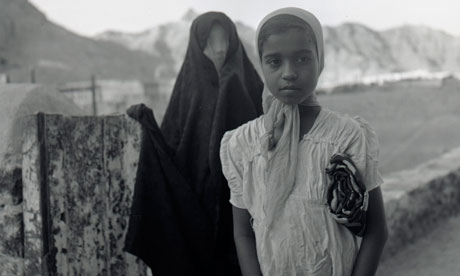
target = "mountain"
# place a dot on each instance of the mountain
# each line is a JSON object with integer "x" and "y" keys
{"x": 170, "y": 41}
{"x": 353, "y": 51}
{"x": 423, "y": 47}
{"x": 29, "y": 40}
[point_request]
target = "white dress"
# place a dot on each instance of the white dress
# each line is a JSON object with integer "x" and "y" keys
{"x": 304, "y": 239}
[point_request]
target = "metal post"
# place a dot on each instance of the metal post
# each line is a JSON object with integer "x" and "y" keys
{"x": 8, "y": 80}
{"x": 32, "y": 75}
{"x": 93, "y": 94}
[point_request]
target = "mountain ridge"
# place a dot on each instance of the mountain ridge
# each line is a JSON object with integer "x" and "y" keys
{"x": 353, "y": 51}
{"x": 28, "y": 40}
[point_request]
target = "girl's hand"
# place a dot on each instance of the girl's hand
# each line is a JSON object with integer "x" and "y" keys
{"x": 245, "y": 243}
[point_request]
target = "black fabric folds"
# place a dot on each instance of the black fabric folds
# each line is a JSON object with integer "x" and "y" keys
{"x": 204, "y": 105}
{"x": 167, "y": 229}
{"x": 181, "y": 202}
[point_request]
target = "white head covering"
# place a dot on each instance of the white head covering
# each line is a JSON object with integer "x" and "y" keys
{"x": 280, "y": 142}
{"x": 310, "y": 19}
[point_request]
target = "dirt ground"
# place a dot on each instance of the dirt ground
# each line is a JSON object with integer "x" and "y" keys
{"x": 438, "y": 253}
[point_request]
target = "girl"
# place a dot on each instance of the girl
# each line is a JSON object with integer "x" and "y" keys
{"x": 276, "y": 165}
{"x": 181, "y": 220}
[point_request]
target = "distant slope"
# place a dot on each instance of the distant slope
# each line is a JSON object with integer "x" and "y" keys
{"x": 423, "y": 47}
{"x": 353, "y": 51}
{"x": 414, "y": 122}
{"x": 169, "y": 41}
{"x": 29, "y": 40}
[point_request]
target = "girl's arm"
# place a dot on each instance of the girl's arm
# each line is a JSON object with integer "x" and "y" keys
{"x": 245, "y": 243}
{"x": 374, "y": 238}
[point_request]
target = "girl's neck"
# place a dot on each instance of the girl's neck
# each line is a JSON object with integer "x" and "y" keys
{"x": 308, "y": 110}
{"x": 307, "y": 116}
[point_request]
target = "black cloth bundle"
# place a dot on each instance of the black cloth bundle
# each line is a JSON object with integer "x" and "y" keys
{"x": 347, "y": 197}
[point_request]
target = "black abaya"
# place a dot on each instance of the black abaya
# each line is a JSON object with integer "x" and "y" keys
{"x": 203, "y": 105}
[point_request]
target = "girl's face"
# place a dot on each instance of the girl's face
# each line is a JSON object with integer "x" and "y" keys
{"x": 217, "y": 46}
{"x": 290, "y": 65}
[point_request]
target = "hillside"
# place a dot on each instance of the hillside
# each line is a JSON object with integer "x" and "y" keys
{"x": 353, "y": 51}
{"x": 29, "y": 40}
{"x": 169, "y": 41}
{"x": 415, "y": 121}
{"x": 414, "y": 112}
{"x": 423, "y": 47}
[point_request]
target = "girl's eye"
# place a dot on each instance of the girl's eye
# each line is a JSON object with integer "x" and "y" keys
{"x": 274, "y": 62}
{"x": 304, "y": 59}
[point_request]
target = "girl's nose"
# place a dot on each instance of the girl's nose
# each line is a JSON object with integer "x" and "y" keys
{"x": 289, "y": 73}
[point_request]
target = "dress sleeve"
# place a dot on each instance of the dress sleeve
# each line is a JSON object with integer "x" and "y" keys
{"x": 364, "y": 150}
{"x": 231, "y": 157}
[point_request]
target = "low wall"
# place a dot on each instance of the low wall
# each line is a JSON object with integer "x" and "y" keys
{"x": 11, "y": 221}
{"x": 417, "y": 200}
{"x": 17, "y": 101}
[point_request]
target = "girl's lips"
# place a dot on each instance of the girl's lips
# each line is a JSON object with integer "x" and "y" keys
{"x": 291, "y": 88}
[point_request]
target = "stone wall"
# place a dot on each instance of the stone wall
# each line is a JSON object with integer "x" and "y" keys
{"x": 419, "y": 199}
{"x": 78, "y": 178}
{"x": 11, "y": 221}
{"x": 17, "y": 101}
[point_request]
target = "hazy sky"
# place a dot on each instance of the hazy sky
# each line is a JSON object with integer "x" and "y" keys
{"x": 89, "y": 17}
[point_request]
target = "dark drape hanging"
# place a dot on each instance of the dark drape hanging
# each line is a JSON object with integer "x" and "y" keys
{"x": 167, "y": 229}
{"x": 203, "y": 105}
